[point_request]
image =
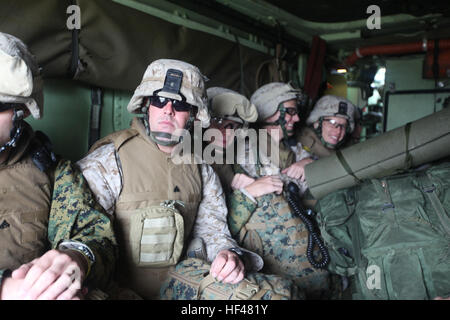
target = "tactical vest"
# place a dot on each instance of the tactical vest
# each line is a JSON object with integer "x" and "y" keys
{"x": 149, "y": 177}
{"x": 25, "y": 200}
{"x": 311, "y": 143}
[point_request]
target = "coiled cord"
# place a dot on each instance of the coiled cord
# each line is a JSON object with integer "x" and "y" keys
{"x": 313, "y": 237}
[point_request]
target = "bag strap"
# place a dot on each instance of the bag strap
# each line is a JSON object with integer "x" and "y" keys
{"x": 208, "y": 280}
{"x": 346, "y": 166}
{"x": 249, "y": 230}
{"x": 356, "y": 232}
{"x": 350, "y": 199}
{"x": 408, "y": 156}
{"x": 429, "y": 190}
{"x": 246, "y": 291}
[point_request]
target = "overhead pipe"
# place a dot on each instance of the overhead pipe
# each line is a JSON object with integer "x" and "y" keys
{"x": 401, "y": 48}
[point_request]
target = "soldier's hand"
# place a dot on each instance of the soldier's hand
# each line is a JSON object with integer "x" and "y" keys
{"x": 241, "y": 181}
{"x": 297, "y": 169}
{"x": 9, "y": 288}
{"x": 265, "y": 185}
{"x": 55, "y": 275}
{"x": 227, "y": 267}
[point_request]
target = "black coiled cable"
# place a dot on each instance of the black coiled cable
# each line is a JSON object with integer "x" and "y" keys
{"x": 313, "y": 238}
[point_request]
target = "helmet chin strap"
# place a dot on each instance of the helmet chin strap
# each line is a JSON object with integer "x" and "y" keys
{"x": 168, "y": 139}
{"x": 281, "y": 121}
{"x": 16, "y": 131}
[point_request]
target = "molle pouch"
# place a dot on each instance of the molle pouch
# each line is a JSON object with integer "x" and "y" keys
{"x": 190, "y": 280}
{"x": 157, "y": 235}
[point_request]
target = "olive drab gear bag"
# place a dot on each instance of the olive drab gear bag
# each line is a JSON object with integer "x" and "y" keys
{"x": 391, "y": 235}
{"x": 190, "y": 280}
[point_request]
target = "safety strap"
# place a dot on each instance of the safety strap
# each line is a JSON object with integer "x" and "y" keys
{"x": 355, "y": 229}
{"x": 430, "y": 191}
{"x": 354, "y": 225}
{"x": 346, "y": 166}
{"x": 408, "y": 156}
{"x": 208, "y": 280}
{"x": 96, "y": 112}
{"x": 246, "y": 291}
{"x": 249, "y": 230}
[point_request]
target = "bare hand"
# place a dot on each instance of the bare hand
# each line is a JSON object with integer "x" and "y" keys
{"x": 265, "y": 185}
{"x": 227, "y": 267}
{"x": 297, "y": 169}
{"x": 55, "y": 275}
{"x": 441, "y": 298}
{"x": 241, "y": 181}
{"x": 9, "y": 290}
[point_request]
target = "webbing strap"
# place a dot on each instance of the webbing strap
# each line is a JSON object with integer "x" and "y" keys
{"x": 346, "y": 166}
{"x": 355, "y": 229}
{"x": 408, "y": 156}
{"x": 245, "y": 290}
{"x": 430, "y": 191}
{"x": 354, "y": 226}
{"x": 204, "y": 284}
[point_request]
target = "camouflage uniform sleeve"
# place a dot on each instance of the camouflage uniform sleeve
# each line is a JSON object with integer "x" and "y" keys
{"x": 76, "y": 216}
{"x": 211, "y": 223}
{"x": 300, "y": 154}
{"x": 241, "y": 209}
{"x": 102, "y": 172}
{"x": 1, "y": 276}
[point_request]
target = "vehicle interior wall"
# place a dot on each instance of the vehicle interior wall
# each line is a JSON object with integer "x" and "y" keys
{"x": 116, "y": 43}
{"x": 68, "y": 117}
{"x": 406, "y": 74}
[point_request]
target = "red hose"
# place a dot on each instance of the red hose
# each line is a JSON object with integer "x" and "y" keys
{"x": 396, "y": 49}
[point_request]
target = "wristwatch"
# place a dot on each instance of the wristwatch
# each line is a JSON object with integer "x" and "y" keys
{"x": 81, "y": 248}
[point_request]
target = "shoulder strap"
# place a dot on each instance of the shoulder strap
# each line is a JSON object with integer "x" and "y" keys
{"x": 41, "y": 152}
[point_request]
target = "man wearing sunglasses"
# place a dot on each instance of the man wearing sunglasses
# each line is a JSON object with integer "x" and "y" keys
{"x": 330, "y": 123}
{"x": 159, "y": 206}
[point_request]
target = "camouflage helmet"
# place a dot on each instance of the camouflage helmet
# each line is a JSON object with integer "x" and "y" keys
{"x": 230, "y": 104}
{"x": 176, "y": 80}
{"x": 20, "y": 79}
{"x": 333, "y": 106}
{"x": 268, "y": 97}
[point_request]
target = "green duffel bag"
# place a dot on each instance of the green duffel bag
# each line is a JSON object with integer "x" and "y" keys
{"x": 190, "y": 280}
{"x": 391, "y": 236}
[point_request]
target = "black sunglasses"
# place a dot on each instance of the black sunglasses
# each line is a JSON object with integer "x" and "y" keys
{"x": 160, "y": 102}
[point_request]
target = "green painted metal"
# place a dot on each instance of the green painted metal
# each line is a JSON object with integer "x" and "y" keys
{"x": 66, "y": 117}
{"x": 406, "y": 74}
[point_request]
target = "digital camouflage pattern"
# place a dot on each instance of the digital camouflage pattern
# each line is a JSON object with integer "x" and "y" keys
{"x": 76, "y": 216}
{"x": 269, "y": 228}
{"x": 185, "y": 280}
{"x": 280, "y": 238}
